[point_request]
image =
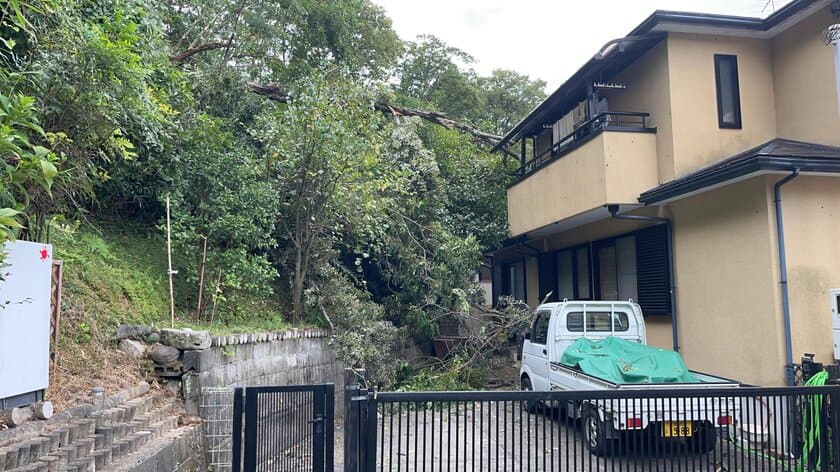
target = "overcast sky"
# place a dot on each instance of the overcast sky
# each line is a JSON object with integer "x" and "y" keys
{"x": 546, "y": 39}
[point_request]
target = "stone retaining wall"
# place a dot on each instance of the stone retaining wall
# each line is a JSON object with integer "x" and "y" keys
{"x": 277, "y": 358}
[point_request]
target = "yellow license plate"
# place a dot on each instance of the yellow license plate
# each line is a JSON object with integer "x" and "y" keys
{"x": 677, "y": 429}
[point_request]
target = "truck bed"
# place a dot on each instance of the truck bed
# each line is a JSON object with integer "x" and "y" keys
{"x": 563, "y": 377}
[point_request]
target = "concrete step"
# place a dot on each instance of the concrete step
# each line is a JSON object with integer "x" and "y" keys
{"x": 89, "y": 444}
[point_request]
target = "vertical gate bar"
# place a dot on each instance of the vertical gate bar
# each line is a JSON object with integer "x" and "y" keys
{"x": 416, "y": 433}
{"x": 317, "y": 428}
{"x": 399, "y": 436}
{"x": 370, "y": 436}
{"x": 498, "y": 441}
{"x": 250, "y": 430}
{"x": 329, "y": 427}
{"x": 481, "y": 438}
{"x": 440, "y": 438}
{"x": 236, "y": 452}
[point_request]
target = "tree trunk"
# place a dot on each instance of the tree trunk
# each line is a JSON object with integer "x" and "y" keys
{"x": 297, "y": 286}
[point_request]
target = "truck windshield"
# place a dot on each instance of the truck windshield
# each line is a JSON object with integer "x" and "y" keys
{"x": 597, "y": 321}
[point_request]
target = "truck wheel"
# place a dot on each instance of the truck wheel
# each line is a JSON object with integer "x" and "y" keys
{"x": 595, "y": 433}
{"x": 704, "y": 439}
{"x": 529, "y": 405}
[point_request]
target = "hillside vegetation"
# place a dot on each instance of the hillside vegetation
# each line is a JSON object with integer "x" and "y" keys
{"x": 309, "y": 149}
{"x": 116, "y": 273}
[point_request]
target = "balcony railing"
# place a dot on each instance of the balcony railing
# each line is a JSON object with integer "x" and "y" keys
{"x": 607, "y": 121}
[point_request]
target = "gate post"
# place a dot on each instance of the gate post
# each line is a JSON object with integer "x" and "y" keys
{"x": 236, "y": 453}
{"x": 369, "y": 434}
{"x": 355, "y": 409}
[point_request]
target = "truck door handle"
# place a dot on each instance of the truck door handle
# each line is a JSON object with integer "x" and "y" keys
{"x": 545, "y": 352}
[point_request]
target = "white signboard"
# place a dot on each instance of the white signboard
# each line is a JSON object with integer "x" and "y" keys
{"x": 25, "y": 318}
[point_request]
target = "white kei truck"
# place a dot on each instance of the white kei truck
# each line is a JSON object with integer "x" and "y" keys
{"x": 556, "y": 326}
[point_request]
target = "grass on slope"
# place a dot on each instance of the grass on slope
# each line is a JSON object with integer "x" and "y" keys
{"x": 116, "y": 274}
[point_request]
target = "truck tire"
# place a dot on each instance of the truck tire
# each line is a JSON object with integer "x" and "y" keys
{"x": 704, "y": 439}
{"x": 529, "y": 405}
{"x": 595, "y": 433}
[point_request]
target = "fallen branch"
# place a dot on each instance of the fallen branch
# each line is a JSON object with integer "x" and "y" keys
{"x": 186, "y": 54}
{"x": 278, "y": 94}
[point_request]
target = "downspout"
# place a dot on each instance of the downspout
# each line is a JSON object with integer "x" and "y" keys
{"x": 613, "y": 209}
{"x": 783, "y": 280}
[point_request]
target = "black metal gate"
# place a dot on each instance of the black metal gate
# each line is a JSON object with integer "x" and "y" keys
{"x": 785, "y": 429}
{"x": 283, "y": 428}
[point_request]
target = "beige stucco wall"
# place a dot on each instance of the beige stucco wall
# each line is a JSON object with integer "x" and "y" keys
{"x": 727, "y": 294}
{"x": 811, "y": 208}
{"x": 648, "y": 90}
{"x": 698, "y": 140}
{"x": 806, "y": 95}
{"x": 612, "y": 167}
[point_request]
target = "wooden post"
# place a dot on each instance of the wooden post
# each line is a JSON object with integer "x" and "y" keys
{"x": 201, "y": 281}
{"x": 215, "y": 296}
{"x": 169, "y": 271}
{"x": 57, "y": 275}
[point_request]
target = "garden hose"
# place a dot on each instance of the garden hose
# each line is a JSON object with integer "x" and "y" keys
{"x": 812, "y": 423}
{"x": 811, "y": 431}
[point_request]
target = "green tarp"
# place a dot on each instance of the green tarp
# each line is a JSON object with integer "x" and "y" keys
{"x": 626, "y": 362}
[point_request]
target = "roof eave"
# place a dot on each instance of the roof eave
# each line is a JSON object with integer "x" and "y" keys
{"x": 760, "y": 164}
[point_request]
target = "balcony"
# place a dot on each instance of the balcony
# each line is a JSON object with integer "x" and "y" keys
{"x": 610, "y": 159}
{"x": 608, "y": 121}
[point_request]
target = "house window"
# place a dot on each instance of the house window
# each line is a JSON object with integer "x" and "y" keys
{"x": 634, "y": 266}
{"x": 572, "y": 268}
{"x": 616, "y": 268}
{"x": 509, "y": 281}
{"x": 582, "y": 264}
{"x": 728, "y": 94}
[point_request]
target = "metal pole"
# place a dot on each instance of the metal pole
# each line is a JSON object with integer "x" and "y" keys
{"x": 783, "y": 281}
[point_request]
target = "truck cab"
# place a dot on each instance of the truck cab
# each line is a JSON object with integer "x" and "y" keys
{"x": 556, "y": 326}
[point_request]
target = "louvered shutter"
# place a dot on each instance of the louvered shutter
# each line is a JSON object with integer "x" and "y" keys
{"x": 653, "y": 278}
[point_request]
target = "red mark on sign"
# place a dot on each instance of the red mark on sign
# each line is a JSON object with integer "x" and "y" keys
{"x": 44, "y": 253}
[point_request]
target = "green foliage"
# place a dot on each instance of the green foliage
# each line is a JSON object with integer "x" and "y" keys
{"x": 362, "y": 336}
{"x": 455, "y": 377}
{"x": 218, "y": 192}
{"x": 508, "y": 96}
{"x": 322, "y": 155}
{"x": 318, "y": 210}
{"x": 118, "y": 274}
{"x": 28, "y": 169}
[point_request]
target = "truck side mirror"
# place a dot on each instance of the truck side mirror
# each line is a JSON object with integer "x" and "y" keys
{"x": 527, "y": 335}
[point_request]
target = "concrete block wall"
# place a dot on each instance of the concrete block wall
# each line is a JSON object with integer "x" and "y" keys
{"x": 259, "y": 359}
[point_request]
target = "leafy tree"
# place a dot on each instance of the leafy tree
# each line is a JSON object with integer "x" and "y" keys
{"x": 430, "y": 73}
{"x": 28, "y": 169}
{"x": 508, "y": 96}
{"x": 219, "y": 195}
{"x": 322, "y": 153}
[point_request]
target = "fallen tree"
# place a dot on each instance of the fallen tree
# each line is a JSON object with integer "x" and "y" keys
{"x": 278, "y": 94}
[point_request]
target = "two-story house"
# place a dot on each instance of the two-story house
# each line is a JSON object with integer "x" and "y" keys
{"x": 693, "y": 167}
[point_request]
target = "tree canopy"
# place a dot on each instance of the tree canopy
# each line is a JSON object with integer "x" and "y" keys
{"x": 321, "y": 161}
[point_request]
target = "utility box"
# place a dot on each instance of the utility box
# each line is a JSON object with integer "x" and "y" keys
{"x": 24, "y": 323}
{"x": 835, "y": 321}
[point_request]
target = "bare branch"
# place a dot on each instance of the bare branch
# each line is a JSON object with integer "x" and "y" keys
{"x": 186, "y": 54}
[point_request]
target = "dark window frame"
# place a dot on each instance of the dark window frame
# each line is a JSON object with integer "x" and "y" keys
{"x": 736, "y": 87}
{"x": 594, "y": 270}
